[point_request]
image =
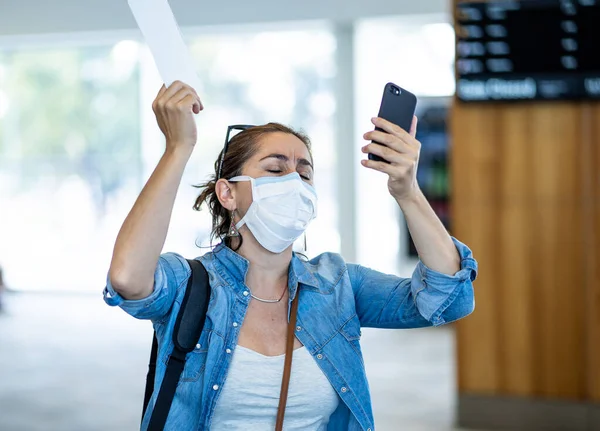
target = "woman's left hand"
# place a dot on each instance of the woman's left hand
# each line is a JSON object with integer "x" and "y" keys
{"x": 401, "y": 149}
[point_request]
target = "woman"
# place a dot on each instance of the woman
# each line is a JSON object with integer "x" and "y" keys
{"x": 261, "y": 199}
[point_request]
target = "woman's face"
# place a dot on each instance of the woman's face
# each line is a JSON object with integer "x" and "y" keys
{"x": 278, "y": 154}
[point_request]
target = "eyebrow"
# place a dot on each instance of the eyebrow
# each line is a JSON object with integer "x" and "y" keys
{"x": 285, "y": 158}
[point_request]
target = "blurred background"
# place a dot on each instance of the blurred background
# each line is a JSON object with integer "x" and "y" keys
{"x": 517, "y": 181}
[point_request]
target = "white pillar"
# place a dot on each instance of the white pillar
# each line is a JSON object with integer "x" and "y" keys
{"x": 344, "y": 132}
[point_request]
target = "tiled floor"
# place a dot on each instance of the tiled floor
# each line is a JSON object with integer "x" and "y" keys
{"x": 70, "y": 363}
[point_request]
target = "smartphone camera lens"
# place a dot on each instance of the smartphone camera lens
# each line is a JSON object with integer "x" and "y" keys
{"x": 395, "y": 90}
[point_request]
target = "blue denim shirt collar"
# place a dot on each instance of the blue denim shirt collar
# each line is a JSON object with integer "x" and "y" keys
{"x": 300, "y": 272}
{"x": 236, "y": 266}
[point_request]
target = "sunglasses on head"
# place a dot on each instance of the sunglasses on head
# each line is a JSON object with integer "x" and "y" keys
{"x": 239, "y": 128}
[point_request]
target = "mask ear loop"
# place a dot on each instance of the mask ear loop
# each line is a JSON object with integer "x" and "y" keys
{"x": 304, "y": 253}
{"x": 242, "y": 221}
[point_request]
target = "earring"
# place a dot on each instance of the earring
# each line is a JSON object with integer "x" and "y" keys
{"x": 233, "y": 232}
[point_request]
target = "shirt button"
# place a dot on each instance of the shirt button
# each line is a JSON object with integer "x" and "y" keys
{"x": 235, "y": 324}
{"x": 319, "y": 356}
{"x": 246, "y": 293}
{"x": 344, "y": 389}
{"x": 368, "y": 429}
{"x": 216, "y": 387}
{"x": 198, "y": 346}
{"x": 228, "y": 350}
{"x": 298, "y": 328}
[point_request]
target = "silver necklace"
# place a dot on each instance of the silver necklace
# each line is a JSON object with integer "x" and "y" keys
{"x": 268, "y": 301}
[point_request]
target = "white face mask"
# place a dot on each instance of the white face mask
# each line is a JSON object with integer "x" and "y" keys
{"x": 281, "y": 210}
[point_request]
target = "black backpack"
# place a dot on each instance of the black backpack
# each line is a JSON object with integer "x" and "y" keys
{"x": 188, "y": 327}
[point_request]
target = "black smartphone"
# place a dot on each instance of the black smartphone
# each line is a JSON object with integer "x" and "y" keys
{"x": 398, "y": 107}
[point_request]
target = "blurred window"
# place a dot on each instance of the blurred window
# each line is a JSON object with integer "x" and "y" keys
{"x": 417, "y": 53}
{"x": 78, "y": 139}
{"x": 69, "y": 155}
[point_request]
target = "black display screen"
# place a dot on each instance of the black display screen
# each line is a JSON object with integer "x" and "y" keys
{"x": 528, "y": 50}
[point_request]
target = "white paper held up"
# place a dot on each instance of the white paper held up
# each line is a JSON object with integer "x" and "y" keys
{"x": 161, "y": 32}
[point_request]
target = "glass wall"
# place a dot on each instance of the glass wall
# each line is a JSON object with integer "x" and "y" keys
{"x": 416, "y": 53}
{"x": 69, "y": 155}
{"x": 78, "y": 136}
{"x": 78, "y": 139}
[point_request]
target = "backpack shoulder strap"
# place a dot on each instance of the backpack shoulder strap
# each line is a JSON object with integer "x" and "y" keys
{"x": 194, "y": 306}
{"x": 150, "y": 376}
{"x": 186, "y": 333}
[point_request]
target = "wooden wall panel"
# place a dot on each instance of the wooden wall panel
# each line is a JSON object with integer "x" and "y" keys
{"x": 518, "y": 177}
{"x": 474, "y": 185}
{"x": 556, "y": 139}
{"x": 591, "y": 200}
{"x": 516, "y": 302}
{"x": 526, "y": 198}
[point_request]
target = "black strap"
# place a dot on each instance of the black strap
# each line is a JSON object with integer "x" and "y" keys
{"x": 186, "y": 333}
{"x": 150, "y": 376}
{"x": 167, "y": 391}
{"x": 192, "y": 313}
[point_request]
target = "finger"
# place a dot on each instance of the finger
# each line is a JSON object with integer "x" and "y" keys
{"x": 397, "y": 131}
{"x": 189, "y": 103}
{"x": 158, "y": 96}
{"x": 198, "y": 106}
{"x": 413, "y": 126}
{"x": 386, "y": 168}
{"x": 393, "y": 157}
{"x": 162, "y": 90}
{"x": 185, "y": 84}
{"x": 172, "y": 89}
{"x": 388, "y": 140}
{"x": 383, "y": 152}
{"x": 182, "y": 93}
{"x": 390, "y": 128}
{"x": 173, "y": 102}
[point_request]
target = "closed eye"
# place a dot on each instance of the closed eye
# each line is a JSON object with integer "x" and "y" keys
{"x": 279, "y": 171}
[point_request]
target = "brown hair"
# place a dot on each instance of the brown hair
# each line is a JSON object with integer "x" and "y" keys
{"x": 240, "y": 149}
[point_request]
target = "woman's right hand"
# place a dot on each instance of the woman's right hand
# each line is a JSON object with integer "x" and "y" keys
{"x": 174, "y": 108}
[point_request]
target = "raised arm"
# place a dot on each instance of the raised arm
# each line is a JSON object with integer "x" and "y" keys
{"x": 441, "y": 287}
{"x": 142, "y": 236}
{"x": 401, "y": 149}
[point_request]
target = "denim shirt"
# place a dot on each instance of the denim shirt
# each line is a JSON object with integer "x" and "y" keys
{"x": 336, "y": 300}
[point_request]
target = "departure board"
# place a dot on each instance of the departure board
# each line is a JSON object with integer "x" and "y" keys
{"x": 528, "y": 50}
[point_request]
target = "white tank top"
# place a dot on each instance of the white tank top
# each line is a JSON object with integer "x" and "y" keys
{"x": 250, "y": 395}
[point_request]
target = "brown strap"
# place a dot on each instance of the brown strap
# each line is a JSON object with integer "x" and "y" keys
{"x": 287, "y": 368}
